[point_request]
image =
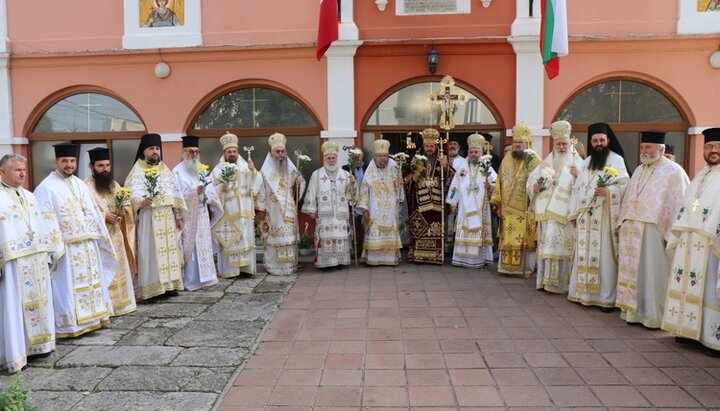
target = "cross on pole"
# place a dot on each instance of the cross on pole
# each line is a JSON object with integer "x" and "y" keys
{"x": 447, "y": 101}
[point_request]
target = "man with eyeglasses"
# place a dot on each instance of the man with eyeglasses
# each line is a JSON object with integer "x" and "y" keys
{"x": 692, "y": 306}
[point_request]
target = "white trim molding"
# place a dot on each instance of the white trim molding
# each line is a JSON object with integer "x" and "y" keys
{"x": 138, "y": 37}
{"x": 693, "y": 131}
{"x": 171, "y": 137}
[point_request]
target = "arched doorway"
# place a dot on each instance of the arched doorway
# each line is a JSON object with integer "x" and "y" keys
{"x": 629, "y": 106}
{"x": 401, "y": 113}
{"x": 253, "y": 112}
{"x": 88, "y": 118}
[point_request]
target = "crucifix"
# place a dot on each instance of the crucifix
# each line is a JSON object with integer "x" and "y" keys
{"x": 696, "y": 204}
{"x": 87, "y": 106}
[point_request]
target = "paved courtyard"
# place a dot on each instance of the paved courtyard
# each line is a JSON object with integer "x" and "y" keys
{"x": 410, "y": 337}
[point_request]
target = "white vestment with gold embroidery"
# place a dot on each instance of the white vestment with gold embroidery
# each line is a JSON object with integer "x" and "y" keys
{"x": 159, "y": 257}
{"x": 280, "y": 227}
{"x": 85, "y": 271}
{"x": 692, "y": 306}
{"x": 29, "y": 243}
{"x": 235, "y": 232}
{"x": 555, "y": 235}
{"x": 203, "y": 211}
{"x": 327, "y": 197}
{"x": 473, "y": 231}
{"x": 381, "y": 195}
{"x": 593, "y": 280}
{"x": 649, "y": 208}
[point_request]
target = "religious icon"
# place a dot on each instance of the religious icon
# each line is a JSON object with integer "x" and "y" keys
{"x": 162, "y": 13}
{"x": 708, "y": 5}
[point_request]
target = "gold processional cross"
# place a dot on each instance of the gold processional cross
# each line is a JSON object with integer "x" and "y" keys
{"x": 448, "y": 102}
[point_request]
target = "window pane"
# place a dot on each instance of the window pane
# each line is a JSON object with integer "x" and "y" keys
{"x": 254, "y": 107}
{"x": 88, "y": 112}
{"x": 123, "y": 158}
{"x": 412, "y": 106}
{"x": 621, "y": 101}
{"x": 43, "y": 159}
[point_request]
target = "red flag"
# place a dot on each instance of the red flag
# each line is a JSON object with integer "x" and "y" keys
{"x": 327, "y": 26}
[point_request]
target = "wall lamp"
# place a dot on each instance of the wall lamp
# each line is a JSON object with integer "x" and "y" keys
{"x": 381, "y": 4}
{"x": 486, "y": 3}
{"x": 715, "y": 59}
{"x": 433, "y": 58}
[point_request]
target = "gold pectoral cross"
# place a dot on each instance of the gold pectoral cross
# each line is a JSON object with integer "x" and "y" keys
{"x": 695, "y": 204}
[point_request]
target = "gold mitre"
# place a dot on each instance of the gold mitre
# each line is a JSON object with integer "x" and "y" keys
{"x": 229, "y": 140}
{"x": 329, "y": 147}
{"x": 277, "y": 140}
{"x": 560, "y": 129}
{"x": 430, "y": 136}
{"x": 522, "y": 132}
{"x": 476, "y": 140}
{"x": 381, "y": 147}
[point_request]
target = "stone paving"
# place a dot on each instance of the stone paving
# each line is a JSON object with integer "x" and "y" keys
{"x": 177, "y": 353}
{"x": 444, "y": 338}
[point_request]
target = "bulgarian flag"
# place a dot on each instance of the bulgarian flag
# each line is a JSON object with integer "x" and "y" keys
{"x": 327, "y": 26}
{"x": 553, "y": 35}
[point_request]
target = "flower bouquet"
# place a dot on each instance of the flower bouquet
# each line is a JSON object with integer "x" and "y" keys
{"x": 303, "y": 162}
{"x": 547, "y": 175}
{"x": 485, "y": 165}
{"x": 605, "y": 179}
{"x": 228, "y": 173}
{"x": 151, "y": 181}
{"x": 419, "y": 165}
{"x": 121, "y": 200}
{"x": 204, "y": 174}
{"x": 528, "y": 157}
{"x": 354, "y": 158}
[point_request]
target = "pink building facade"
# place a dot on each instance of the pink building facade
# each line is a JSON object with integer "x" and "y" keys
{"x": 102, "y": 73}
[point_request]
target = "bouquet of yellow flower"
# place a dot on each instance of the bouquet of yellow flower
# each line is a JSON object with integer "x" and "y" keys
{"x": 122, "y": 197}
{"x": 607, "y": 178}
{"x": 151, "y": 179}
{"x": 204, "y": 174}
{"x": 419, "y": 165}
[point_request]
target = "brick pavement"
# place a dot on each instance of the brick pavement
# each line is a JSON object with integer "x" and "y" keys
{"x": 430, "y": 337}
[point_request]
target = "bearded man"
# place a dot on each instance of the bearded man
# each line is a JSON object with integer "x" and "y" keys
{"x": 283, "y": 186}
{"x": 327, "y": 201}
{"x": 517, "y": 229}
{"x": 120, "y": 224}
{"x": 158, "y": 208}
{"x": 425, "y": 189}
{"x": 203, "y": 211}
{"x": 595, "y": 211}
{"x": 549, "y": 186}
{"x": 648, "y": 211}
{"x": 85, "y": 270}
{"x": 29, "y": 244}
{"x": 381, "y": 194}
{"x": 692, "y": 306}
{"x": 238, "y": 185}
{"x": 469, "y": 200}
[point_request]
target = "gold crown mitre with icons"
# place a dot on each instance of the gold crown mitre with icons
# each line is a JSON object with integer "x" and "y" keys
{"x": 229, "y": 140}
{"x": 277, "y": 140}
{"x": 522, "y": 132}
{"x": 560, "y": 129}
{"x": 430, "y": 136}
{"x": 330, "y": 147}
{"x": 381, "y": 147}
{"x": 476, "y": 140}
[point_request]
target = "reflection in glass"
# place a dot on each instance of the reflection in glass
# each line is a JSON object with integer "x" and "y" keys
{"x": 621, "y": 101}
{"x": 412, "y": 106}
{"x": 88, "y": 113}
{"x": 123, "y": 158}
{"x": 254, "y": 107}
{"x": 43, "y": 160}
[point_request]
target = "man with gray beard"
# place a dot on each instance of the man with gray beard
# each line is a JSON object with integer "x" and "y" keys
{"x": 648, "y": 210}
{"x": 549, "y": 187}
{"x": 283, "y": 185}
{"x": 203, "y": 211}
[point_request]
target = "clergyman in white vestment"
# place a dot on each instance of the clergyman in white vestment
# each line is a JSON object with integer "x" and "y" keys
{"x": 29, "y": 243}
{"x": 159, "y": 220}
{"x": 549, "y": 187}
{"x": 327, "y": 202}
{"x": 692, "y": 306}
{"x": 469, "y": 199}
{"x": 238, "y": 184}
{"x": 203, "y": 211}
{"x": 649, "y": 208}
{"x": 86, "y": 269}
{"x": 595, "y": 212}
{"x": 283, "y": 185}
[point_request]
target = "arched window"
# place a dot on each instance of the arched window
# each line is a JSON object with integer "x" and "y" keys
{"x": 409, "y": 109}
{"x": 254, "y": 113}
{"x": 629, "y": 106}
{"x": 90, "y": 119}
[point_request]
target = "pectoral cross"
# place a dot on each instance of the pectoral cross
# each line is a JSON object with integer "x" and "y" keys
{"x": 31, "y": 234}
{"x": 448, "y": 102}
{"x": 695, "y": 204}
